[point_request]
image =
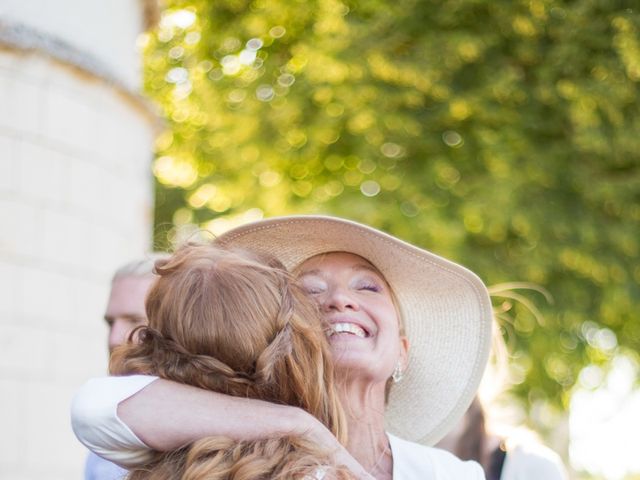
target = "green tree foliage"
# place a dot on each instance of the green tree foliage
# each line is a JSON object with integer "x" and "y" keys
{"x": 503, "y": 134}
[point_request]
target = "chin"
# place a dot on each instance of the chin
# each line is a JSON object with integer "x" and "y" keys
{"x": 353, "y": 367}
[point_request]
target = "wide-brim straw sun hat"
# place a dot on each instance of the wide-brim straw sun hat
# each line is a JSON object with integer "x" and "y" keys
{"x": 445, "y": 309}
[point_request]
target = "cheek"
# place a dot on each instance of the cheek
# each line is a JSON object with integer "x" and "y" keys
{"x": 318, "y": 299}
{"x": 390, "y": 315}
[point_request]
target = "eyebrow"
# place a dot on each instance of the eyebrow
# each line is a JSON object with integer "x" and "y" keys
{"x": 129, "y": 316}
{"x": 315, "y": 271}
{"x": 355, "y": 268}
{"x": 369, "y": 268}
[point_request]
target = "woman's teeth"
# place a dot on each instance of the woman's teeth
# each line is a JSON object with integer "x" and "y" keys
{"x": 346, "y": 328}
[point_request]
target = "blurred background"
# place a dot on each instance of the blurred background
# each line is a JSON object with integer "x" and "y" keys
{"x": 501, "y": 134}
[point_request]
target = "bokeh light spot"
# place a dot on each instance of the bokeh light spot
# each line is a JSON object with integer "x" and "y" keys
{"x": 392, "y": 150}
{"x": 265, "y": 93}
{"x": 254, "y": 44}
{"x": 370, "y": 188}
{"x": 277, "y": 31}
{"x": 177, "y": 75}
{"x": 452, "y": 139}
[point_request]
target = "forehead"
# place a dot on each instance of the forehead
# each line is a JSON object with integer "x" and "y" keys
{"x": 128, "y": 295}
{"x": 336, "y": 261}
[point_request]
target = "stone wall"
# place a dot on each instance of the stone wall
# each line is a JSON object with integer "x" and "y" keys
{"x": 75, "y": 202}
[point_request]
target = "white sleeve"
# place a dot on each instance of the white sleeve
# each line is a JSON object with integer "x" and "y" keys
{"x": 95, "y": 421}
{"x": 535, "y": 461}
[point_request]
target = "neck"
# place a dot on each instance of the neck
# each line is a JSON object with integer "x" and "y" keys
{"x": 368, "y": 443}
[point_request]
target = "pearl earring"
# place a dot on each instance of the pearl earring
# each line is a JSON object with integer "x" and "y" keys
{"x": 397, "y": 374}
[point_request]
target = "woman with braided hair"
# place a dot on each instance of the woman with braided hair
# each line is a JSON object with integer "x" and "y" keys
{"x": 234, "y": 322}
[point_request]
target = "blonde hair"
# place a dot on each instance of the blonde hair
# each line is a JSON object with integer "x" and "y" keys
{"x": 140, "y": 267}
{"x": 235, "y": 322}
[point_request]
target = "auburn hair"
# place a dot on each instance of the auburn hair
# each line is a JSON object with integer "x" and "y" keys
{"x": 236, "y": 322}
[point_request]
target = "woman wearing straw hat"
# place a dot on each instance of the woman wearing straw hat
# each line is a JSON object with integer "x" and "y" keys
{"x": 409, "y": 332}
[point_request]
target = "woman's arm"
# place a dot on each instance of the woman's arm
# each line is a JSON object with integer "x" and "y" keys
{"x": 167, "y": 415}
{"x": 124, "y": 418}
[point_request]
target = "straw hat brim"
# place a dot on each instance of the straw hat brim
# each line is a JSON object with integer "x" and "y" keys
{"x": 445, "y": 309}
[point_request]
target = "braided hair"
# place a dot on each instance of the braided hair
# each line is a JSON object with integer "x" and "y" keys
{"x": 235, "y": 322}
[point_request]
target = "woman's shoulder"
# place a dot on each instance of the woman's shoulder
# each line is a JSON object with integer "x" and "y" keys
{"x": 414, "y": 461}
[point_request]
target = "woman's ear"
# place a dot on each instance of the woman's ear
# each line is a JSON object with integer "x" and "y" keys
{"x": 404, "y": 352}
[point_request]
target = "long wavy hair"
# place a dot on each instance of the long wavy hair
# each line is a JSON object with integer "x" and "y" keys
{"x": 236, "y": 322}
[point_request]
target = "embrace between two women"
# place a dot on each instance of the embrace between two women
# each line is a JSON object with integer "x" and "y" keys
{"x": 297, "y": 347}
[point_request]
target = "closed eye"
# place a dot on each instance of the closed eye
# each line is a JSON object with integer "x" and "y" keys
{"x": 313, "y": 286}
{"x": 313, "y": 290}
{"x": 370, "y": 286}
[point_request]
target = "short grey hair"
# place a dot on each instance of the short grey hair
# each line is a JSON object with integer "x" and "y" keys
{"x": 140, "y": 267}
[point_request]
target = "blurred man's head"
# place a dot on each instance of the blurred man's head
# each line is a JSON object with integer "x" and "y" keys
{"x": 125, "y": 308}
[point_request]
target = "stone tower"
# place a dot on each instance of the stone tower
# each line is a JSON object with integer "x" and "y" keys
{"x": 75, "y": 202}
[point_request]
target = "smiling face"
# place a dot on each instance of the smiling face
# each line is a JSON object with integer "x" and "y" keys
{"x": 357, "y": 302}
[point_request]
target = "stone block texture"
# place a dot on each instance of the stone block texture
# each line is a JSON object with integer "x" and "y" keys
{"x": 75, "y": 203}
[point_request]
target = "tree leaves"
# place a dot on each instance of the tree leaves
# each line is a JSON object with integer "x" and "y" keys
{"x": 501, "y": 134}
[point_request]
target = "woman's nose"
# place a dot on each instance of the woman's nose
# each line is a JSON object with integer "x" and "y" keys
{"x": 339, "y": 299}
